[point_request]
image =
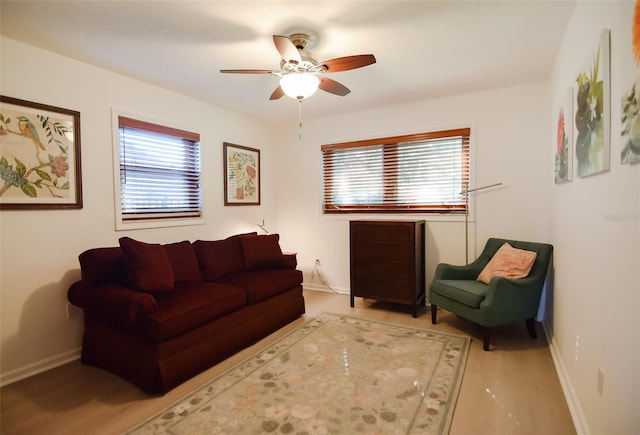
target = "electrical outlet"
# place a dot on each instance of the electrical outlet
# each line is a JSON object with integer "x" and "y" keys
{"x": 72, "y": 310}
{"x": 600, "y": 384}
{"x": 317, "y": 262}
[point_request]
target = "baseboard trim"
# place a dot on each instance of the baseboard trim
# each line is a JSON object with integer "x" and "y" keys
{"x": 575, "y": 409}
{"x": 39, "y": 367}
{"x": 324, "y": 288}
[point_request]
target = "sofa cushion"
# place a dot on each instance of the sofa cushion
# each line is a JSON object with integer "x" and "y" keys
{"x": 184, "y": 262}
{"x": 103, "y": 266}
{"x": 261, "y": 251}
{"x": 508, "y": 262}
{"x": 265, "y": 283}
{"x": 220, "y": 257}
{"x": 190, "y": 306}
{"x": 467, "y": 292}
{"x": 147, "y": 266}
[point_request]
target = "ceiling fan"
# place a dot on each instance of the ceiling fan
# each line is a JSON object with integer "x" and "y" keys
{"x": 300, "y": 74}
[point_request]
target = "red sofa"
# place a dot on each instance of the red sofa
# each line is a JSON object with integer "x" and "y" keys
{"x": 157, "y": 315}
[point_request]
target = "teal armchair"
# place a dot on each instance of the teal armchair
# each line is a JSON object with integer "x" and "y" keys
{"x": 502, "y": 301}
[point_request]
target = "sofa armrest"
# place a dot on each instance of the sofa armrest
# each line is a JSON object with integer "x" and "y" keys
{"x": 113, "y": 304}
{"x": 289, "y": 260}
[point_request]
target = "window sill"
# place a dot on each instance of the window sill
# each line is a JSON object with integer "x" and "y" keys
{"x": 394, "y": 217}
{"x": 158, "y": 223}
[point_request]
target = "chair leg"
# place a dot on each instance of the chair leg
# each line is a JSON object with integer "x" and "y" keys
{"x": 531, "y": 328}
{"x": 486, "y": 339}
{"x": 434, "y": 314}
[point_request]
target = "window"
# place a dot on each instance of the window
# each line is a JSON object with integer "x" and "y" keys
{"x": 423, "y": 173}
{"x": 159, "y": 172}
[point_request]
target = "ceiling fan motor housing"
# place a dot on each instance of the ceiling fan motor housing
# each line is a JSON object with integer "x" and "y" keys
{"x": 308, "y": 64}
{"x": 300, "y": 40}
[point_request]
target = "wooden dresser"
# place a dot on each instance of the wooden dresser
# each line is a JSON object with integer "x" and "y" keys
{"x": 387, "y": 261}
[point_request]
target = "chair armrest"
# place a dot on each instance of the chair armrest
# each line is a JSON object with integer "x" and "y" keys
{"x": 515, "y": 299}
{"x": 450, "y": 271}
{"x": 113, "y": 304}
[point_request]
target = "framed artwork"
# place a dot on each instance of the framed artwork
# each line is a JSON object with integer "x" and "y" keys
{"x": 241, "y": 175}
{"x": 630, "y": 132}
{"x": 564, "y": 144}
{"x": 630, "y": 72}
{"x": 39, "y": 156}
{"x": 593, "y": 110}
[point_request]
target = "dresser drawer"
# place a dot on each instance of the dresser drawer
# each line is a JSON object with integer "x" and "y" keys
{"x": 400, "y": 272}
{"x": 382, "y": 232}
{"x": 392, "y": 291}
{"x": 381, "y": 252}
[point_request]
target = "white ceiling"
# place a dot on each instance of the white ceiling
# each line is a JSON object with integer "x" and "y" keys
{"x": 424, "y": 49}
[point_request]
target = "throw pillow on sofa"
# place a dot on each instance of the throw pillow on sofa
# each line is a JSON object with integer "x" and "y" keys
{"x": 184, "y": 262}
{"x": 218, "y": 258}
{"x": 261, "y": 251}
{"x": 147, "y": 266}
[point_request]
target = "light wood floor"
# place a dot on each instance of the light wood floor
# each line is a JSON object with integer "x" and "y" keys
{"x": 513, "y": 389}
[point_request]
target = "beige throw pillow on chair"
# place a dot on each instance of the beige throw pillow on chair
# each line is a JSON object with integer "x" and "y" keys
{"x": 508, "y": 262}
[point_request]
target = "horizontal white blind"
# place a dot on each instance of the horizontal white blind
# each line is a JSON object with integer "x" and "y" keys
{"x": 417, "y": 173}
{"x": 159, "y": 172}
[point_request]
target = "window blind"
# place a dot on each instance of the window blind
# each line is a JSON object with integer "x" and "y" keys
{"x": 415, "y": 173}
{"x": 159, "y": 171}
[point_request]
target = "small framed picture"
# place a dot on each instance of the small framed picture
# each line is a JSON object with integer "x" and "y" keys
{"x": 39, "y": 156}
{"x": 564, "y": 137}
{"x": 241, "y": 175}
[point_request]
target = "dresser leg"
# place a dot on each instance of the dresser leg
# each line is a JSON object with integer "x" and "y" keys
{"x": 352, "y": 301}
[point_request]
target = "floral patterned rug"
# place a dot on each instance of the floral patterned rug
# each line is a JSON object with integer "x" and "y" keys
{"x": 335, "y": 374}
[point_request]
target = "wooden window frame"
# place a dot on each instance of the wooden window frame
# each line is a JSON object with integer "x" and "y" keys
{"x": 192, "y": 210}
{"x": 390, "y": 178}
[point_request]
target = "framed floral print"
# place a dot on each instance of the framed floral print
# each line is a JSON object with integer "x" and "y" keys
{"x": 630, "y": 78}
{"x": 592, "y": 110}
{"x": 39, "y": 156}
{"x": 242, "y": 175}
{"x": 564, "y": 140}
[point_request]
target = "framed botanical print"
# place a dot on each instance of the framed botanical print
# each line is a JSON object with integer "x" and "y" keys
{"x": 629, "y": 77}
{"x": 564, "y": 140}
{"x": 592, "y": 110}
{"x": 39, "y": 156}
{"x": 241, "y": 175}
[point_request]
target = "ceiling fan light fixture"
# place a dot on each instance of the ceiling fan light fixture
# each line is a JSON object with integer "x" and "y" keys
{"x": 299, "y": 85}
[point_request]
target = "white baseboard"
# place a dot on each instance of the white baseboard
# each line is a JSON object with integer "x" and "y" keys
{"x": 579, "y": 421}
{"x": 38, "y": 367}
{"x": 323, "y": 288}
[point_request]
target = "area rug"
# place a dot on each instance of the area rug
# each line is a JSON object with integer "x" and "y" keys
{"x": 335, "y": 374}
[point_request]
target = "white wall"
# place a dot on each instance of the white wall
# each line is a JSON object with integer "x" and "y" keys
{"x": 39, "y": 249}
{"x": 595, "y": 227}
{"x": 509, "y": 145}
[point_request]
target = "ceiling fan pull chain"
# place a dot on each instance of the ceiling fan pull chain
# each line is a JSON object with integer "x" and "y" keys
{"x": 300, "y": 118}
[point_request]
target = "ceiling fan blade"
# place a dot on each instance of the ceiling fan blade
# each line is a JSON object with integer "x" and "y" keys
{"x": 287, "y": 50}
{"x": 348, "y": 62}
{"x": 246, "y": 71}
{"x": 278, "y": 93}
{"x": 333, "y": 87}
